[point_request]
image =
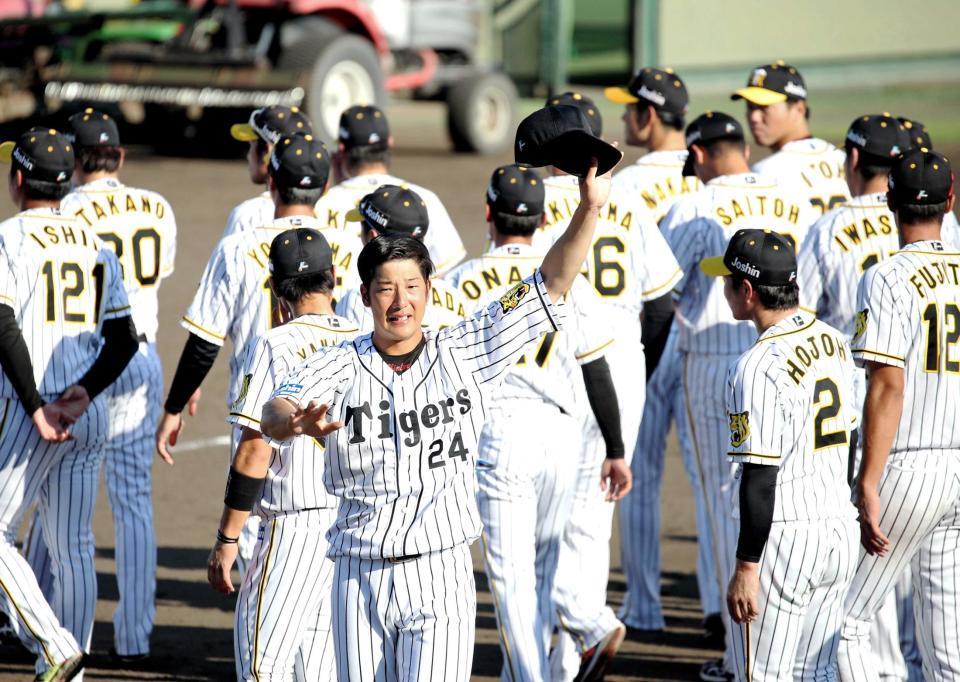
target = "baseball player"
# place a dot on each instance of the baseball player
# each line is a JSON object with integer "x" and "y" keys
{"x": 65, "y": 330}
{"x": 408, "y": 407}
{"x": 525, "y": 480}
{"x": 778, "y": 115}
{"x": 398, "y": 210}
{"x": 920, "y": 138}
{"x": 790, "y": 405}
{"x": 283, "y": 609}
{"x": 361, "y": 164}
{"x": 710, "y": 339}
{"x": 905, "y": 336}
{"x": 139, "y": 226}
{"x": 262, "y": 130}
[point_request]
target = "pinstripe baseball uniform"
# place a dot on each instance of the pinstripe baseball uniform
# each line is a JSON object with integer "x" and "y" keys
{"x": 283, "y": 609}
{"x": 62, "y": 284}
{"x": 790, "y": 405}
{"x": 656, "y": 178}
{"x": 525, "y": 478}
{"x": 403, "y": 468}
{"x": 812, "y": 168}
{"x": 709, "y": 338}
{"x": 909, "y": 318}
{"x": 250, "y": 214}
{"x": 442, "y": 239}
{"x": 446, "y": 307}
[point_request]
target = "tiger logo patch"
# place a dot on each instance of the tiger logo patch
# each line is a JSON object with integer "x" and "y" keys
{"x": 512, "y": 298}
{"x": 860, "y": 324}
{"x": 739, "y": 428}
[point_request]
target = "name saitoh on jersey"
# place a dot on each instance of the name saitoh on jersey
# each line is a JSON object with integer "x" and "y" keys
{"x": 430, "y": 416}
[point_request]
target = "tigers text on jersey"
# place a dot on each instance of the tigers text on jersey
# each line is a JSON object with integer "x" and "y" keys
{"x": 790, "y": 401}
{"x": 701, "y": 225}
{"x": 629, "y": 261}
{"x": 657, "y": 179}
{"x": 295, "y": 478}
{"x": 234, "y": 299}
{"x": 403, "y": 464}
{"x": 62, "y": 284}
{"x": 442, "y": 239}
{"x": 811, "y": 167}
{"x": 909, "y": 317}
{"x": 253, "y": 212}
{"x": 551, "y": 372}
{"x": 444, "y": 309}
{"x": 140, "y": 228}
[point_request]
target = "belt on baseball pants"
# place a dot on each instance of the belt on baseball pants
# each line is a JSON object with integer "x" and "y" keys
{"x": 402, "y": 559}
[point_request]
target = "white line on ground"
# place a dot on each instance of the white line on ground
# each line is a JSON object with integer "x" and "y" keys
{"x": 202, "y": 443}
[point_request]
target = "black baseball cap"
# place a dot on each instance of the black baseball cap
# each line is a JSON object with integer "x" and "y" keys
{"x": 364, "y": 125}
{"x": 585, "y": 105}
{"x": 299, "y": 161}
{"x": 40, "y": 154}
{"x": 91, "y": 128}
{"x": 559, "y": 135}
{"x": 921, "y": 177}
{"x": 271, "y": 123}
{"x": 709, "y": 127}
{"x": 663, "y": 89}
{"x": 880, "y": 135}
{"x": 393, "y": 209}
{"x": 772, "y": 83}
{"x": 299, "y": 252}
{"x": 762, "y": 256}
{"x": 917, "y": 132}
{"x": 516, "y": 190}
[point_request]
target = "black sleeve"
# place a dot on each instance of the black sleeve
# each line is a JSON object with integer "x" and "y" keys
{"x": 15, "y": 360}
{"x": 195, "y": 361}
{"x": 119, "y": 345}
{"x": 603, "y": 401}
{"x": 758, "y": 483}
{"x": 852, "y": 456}
{"x": 655, "y": 328}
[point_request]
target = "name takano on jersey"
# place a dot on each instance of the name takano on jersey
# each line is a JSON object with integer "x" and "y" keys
{"x": 123, "y": 201}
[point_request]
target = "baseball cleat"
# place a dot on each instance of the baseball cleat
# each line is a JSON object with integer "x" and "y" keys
{"x": 66, "y": 670}
{"x": 594, "y": 661}
{"x": 713, "y": 671}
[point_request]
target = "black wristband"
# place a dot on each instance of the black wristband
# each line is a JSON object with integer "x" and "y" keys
{"x": 243, "y": 492}
{"x": 226, "y": 540}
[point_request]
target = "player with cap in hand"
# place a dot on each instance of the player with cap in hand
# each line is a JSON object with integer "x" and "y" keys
{"x": 789, "y": 402}
{"x": 778, "y": 116}
{"x": 905, "y": 337}
{"x": 361, "y": 163}
{"x": 709, "y": 338}
{"x": 526, "y": 479}
{"x": 281, "y": 626}
{"x": 399, "y": 211}
{"x": 262, "y": 130}
{"x": 65, "y": 336}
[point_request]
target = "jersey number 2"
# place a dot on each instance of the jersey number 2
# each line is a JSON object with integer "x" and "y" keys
{"x": 826, "y": 395}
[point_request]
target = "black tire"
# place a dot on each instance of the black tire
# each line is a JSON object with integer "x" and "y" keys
{"x": 341, "y": 70}
{"x": 481, "y": 113}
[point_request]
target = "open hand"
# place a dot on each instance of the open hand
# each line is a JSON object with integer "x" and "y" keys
{"x": 219, "y": 563}
{"x": 312, "y": 421}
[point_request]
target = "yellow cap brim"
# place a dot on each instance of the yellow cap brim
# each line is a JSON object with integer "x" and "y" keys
{"x": 6, "y": 151}
{"x": 713, "y": 266}
{"x": 243, "y": 132}
{"x": 620, "y": 95}
{"x": 354, "y": 215}
{"x": 759, "y": 96}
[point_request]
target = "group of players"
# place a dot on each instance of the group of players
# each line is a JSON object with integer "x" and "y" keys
{"x": 390, "y": 404}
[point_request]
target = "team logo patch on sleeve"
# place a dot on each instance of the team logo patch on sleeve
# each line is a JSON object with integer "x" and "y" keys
{"x": 860, "y": 323}
{"x": 739, "y": 428}
{"x": 512, "y": 298}
{"x": 244, "y": 389}
{"x": 291, "y": 390}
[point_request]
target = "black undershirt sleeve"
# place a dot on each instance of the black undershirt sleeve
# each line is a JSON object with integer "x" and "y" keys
{"x": 655, "y": 328}
{"x": 119, "y": 345}
{"x": 852, "y": 457}
{"x": 758, "y": 483}
{"x": 602, "y": 396}
{"x": 195, "y": 361}
{"x": 15, "y": 361}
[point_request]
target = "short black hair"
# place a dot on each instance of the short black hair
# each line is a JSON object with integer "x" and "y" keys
{"x": 388, "y": 247}
{"x": 99, "y": 159}
{"x": 367, "y": 154}
{"x": 294, "y": 289}
{"x": 797, "y": 100}
{"x": 716, "y": 148}
{"x": 42, "y": 190}
{"x": 773, "y": 297}
{"x": 668, "y": 118}
{"x": 869, "y": 166}
{"x": 918, "y": 213}
{"x": 518, "y": 225}
{"x": 297, "y": 196}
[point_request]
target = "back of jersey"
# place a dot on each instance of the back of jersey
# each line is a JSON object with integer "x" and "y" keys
{"x": 62, "y": 284}
{"x": 813, "y": 168}
{"x": 140, "y": 228}
{"x": 658, "y": 180}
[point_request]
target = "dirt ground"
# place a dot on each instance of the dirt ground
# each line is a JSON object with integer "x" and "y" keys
{"x": 193, "y": 635}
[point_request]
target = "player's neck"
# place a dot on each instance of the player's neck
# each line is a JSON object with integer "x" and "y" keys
{"x": 500, "y": 239}
{"x": 376, "y": 168}
{"x": 665, "y": 139}
{"x": 32, "y": 204}
{"x": 87, "y": 178}
{"x": 728, "y": 164}
{"x": 875, "y": 185}
{"x": 763, "y": 319}
{"x": 313, "y": 304}
{"x": 926, "y": 231}
{"x": 293, "y": 210}
{"x": 395, "y": 346}
{"x": 801, "y": 132}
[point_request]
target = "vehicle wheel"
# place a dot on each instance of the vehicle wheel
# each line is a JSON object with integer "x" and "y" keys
{"x": 343, "y": 70}
{"x": 481, "y": 113}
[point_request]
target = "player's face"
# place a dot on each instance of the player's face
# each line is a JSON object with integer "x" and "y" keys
{"x": 398, "y": 297}
{"x": 256, "y": 164}
{"x": 769, "y": 125}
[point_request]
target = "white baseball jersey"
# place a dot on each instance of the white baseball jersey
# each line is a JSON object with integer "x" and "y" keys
{"x": 295, "y": 479}
{"x": 62, "y": 285}
{"x": 253, "y": 212}
{"x": 403, "y": 464}
{"x": 813, "y": 168}
{"x": 442, "y": 239}
{"x": 909, "y": 317}
{"x": 234, "y": 298}
{"x": 657, "y": 179}
{"x": 445, "y": 309}
{"x": 701, "y": 225}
